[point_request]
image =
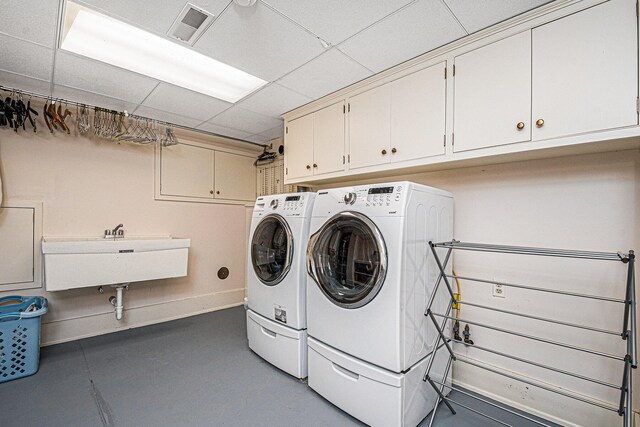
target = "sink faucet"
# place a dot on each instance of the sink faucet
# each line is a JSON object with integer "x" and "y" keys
{"x": 117, "y": 232}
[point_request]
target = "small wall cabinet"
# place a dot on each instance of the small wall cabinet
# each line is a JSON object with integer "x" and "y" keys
{"x": 561, "y": 76}
{"x": 193, "y": 171}
{"x": 315, "y": 143}
{"x": 20, "y": 236}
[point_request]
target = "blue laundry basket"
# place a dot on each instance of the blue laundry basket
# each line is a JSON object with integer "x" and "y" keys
{"x": 20, "y": 336}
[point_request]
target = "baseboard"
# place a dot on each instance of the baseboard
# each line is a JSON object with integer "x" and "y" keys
{"x": 514, "y": 404}
{"x": 104, "y": 323}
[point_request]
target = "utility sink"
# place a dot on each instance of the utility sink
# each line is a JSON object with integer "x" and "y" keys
{"x": 80, "y": 262}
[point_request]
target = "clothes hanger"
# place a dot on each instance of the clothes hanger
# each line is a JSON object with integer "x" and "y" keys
{"x": 46, "y": 115}
{"x": 59, "y": 117}
{"x": 266, "y": 157}
{"x": 31, "y": 111}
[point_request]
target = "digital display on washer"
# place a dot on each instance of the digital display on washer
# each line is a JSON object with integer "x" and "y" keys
{"x": 381, "y": 190}
{"x": 292, "y": 198}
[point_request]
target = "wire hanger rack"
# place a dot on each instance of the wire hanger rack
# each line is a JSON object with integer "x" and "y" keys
{"x": 107, "y": 123}
{"x": 627, "y": 332}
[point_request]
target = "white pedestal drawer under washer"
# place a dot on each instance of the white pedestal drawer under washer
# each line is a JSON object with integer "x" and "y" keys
{"x": 276, "y": 280}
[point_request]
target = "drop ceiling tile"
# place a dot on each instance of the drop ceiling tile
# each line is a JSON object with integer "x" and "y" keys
{"x": 335, "y": 20}
{"x": 414, "y": 30}
{"x": 225, "y": 131}
{"x": 260, "y": 139}
{"x": 93, "y": 76}
{"x": 90, "y": 98}
{"x": 259, "y": 41}
{"x": 18, "y": 81}
{"x": 25, "y": 58}
{"x": 154, "y": 16}
{"x": 478, "y": 14}
{"x": 277, "y": 132}
{"x": 274, "y": 100}
{"x": 248, "y": 121}
{"x": 185, "y": 102}
{"x": 325, "y": 74}
{"x": 166, "y": 117}
{"x": 33, "y": 20}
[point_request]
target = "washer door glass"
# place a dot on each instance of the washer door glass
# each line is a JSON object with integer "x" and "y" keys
{"x": 347, "y": 258}
{"x": 272, "y": 250}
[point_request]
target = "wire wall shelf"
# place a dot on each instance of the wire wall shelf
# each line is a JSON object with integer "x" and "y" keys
{"x": 627, "y": 332}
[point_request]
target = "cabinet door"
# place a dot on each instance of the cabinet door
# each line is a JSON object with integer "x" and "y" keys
{"x": 187, "y": 170}
{"x": 298, "y": 144}
{"x": 492, "y": 94}
{"x": 235, "y": 177}
{"x": 418, "y": 106}
{"x": 328, "y": 139}
{"x": 370, "y": 127}
{"x": 585, "y": 74}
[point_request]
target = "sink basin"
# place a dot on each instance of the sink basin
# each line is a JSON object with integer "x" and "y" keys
{"x": 79, "y": 262}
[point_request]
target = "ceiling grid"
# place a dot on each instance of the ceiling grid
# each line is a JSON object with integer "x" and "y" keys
{"x": 305, "y": 50}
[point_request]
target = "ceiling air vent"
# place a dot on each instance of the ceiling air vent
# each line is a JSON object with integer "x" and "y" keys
{"x": 190, "y": 24}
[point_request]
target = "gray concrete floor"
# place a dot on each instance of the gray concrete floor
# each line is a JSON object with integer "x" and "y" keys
{"x": 196, "y": 371}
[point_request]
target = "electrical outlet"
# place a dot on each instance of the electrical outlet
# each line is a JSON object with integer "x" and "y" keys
{"x": 498, "y": 290}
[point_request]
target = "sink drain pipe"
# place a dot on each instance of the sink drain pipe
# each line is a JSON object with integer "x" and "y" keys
{"x": 117, "y": 301}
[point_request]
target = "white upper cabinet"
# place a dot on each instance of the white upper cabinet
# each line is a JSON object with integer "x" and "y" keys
{"x": 187, "y": 171}
{"x": 235, "y": 177}
{"x": 370, "y": 127}
{"x": 314, "y": 144}
{"x": 299, "y": 147}
{"x": 328, "y": 139}
{"x": 585, "y": 71}
{"x": 564, "y": 75}
{"x": 418, "y": 108}
{"x": 492, "y": 101}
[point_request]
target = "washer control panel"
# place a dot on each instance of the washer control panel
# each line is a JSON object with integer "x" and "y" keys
{"x": 294, "y": 204}
{"x": 383, "y": 196}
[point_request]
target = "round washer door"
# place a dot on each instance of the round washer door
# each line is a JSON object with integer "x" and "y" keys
{"x": 347, "y": 258}
{"x": 272, "y": 249}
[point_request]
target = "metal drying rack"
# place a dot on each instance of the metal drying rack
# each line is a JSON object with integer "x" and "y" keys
{"x": 627, "y": 332}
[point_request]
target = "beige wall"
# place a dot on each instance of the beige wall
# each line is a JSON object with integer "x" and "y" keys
{"x": 87, "y": 186}
{"x": 589, "y": 202}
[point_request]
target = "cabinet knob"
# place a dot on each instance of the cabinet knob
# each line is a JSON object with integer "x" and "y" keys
{"x": 211, "y": 192}
{"x": 308, "y": 167}
{"x": 384, "y": 152}
{"x": 520, "y": 125}
{"x": 394, "y": 151}
{"x": 315, "y": 165}
{"x": 540, "y": 123}
{"x": 218, "y": 192}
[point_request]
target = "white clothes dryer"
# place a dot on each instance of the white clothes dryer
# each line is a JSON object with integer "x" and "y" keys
{"x": 276, "y": 280}
{"x": 373, "y": 273}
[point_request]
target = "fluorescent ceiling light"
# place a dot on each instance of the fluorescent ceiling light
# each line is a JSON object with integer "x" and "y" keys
{"x": 105, "y": 39}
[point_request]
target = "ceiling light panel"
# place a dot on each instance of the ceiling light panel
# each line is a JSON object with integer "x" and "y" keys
{"x": 102, "y": 38}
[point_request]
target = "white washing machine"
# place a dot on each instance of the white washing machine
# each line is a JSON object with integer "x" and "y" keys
{"x": 276, "y": 280}
{"x": 372, "y": 275}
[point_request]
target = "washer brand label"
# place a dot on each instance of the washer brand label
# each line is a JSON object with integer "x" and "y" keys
{"x": 280, "y": 313}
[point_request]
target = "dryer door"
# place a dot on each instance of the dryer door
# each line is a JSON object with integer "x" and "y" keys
{"x": 347, "y": 258}
{"x": 272, "y": 249}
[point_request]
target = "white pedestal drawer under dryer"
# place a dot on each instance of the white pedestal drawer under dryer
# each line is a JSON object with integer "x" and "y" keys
{"x": 372, "y": 274}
